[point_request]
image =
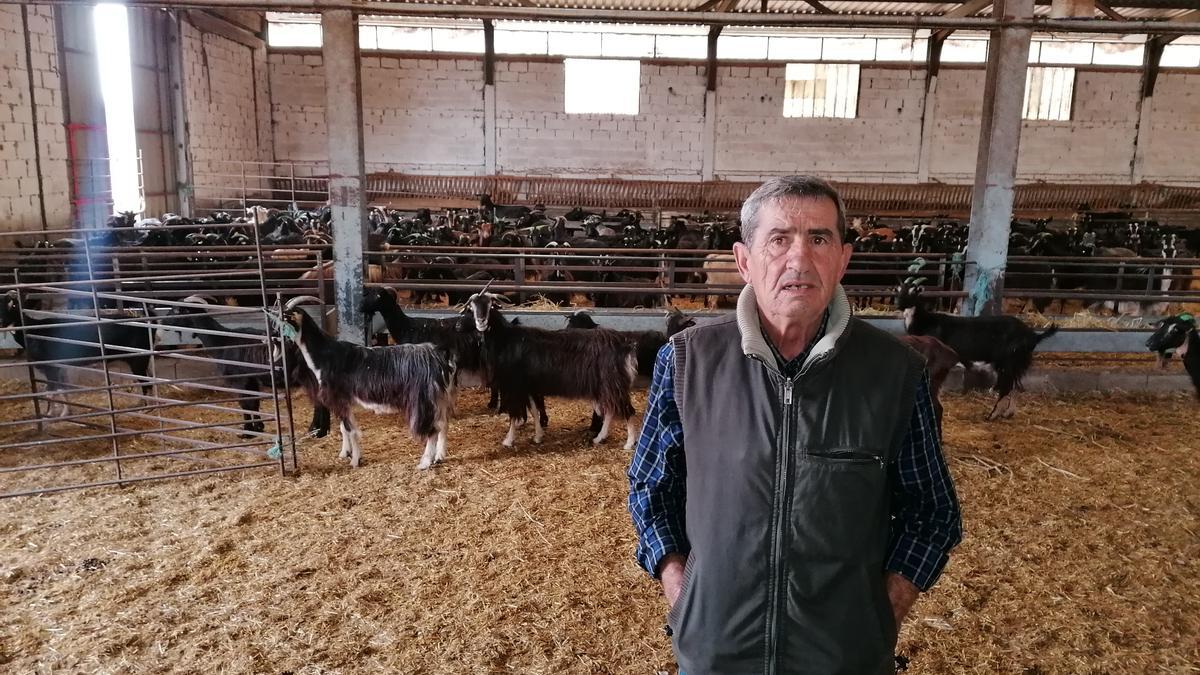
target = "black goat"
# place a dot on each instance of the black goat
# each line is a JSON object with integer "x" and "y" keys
{"x": 497, "y": 211}
{"x": 241, "y": 361}
{"x": 594, "y": 365}
{"x": 466, "y": 347}
{"x": 1169, "y": 334}
{"x": 416, "y": 381}
{"x": 45, "y": 342}
{"x": 1179, "y": 333}
{"x": 1003, "y": 342}
{"x": 646, "y": 343}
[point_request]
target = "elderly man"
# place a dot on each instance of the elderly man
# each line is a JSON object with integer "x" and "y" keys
{"x": 789, "y": 488}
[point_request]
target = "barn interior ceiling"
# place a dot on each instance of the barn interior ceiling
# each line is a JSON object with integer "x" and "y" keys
{"x": 1094, "y": 16}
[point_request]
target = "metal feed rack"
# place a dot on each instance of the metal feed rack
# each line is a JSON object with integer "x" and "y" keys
{"x": 113, "y": 433}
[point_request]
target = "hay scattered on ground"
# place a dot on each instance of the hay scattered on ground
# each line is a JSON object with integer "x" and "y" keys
{"x": 1082, "y": 555}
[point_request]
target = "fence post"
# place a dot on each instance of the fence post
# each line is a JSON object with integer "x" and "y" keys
{"x": 112, "y": 412}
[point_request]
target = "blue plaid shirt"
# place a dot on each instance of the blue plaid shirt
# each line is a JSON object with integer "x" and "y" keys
{"x": 926, "y": 523}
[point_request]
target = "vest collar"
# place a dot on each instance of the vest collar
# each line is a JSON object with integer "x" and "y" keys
{"x": 754, "y": 345}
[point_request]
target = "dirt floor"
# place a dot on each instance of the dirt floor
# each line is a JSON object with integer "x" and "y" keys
{"x": 1081, "y": 555}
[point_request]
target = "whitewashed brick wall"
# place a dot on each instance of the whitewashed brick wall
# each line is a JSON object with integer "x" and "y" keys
{"x": 1096, "y": 145}
{"x": 426, "y": 115}
{"x": 19, "y": 180}
{"x": 419, "y": 115}
{"x": 1173, "y": 150}
{"x": 535, "y": 136}
{"x": 754, "y": 138}
{"x": 224, "y": 123}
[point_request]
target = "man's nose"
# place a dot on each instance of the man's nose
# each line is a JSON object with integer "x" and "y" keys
{"x": 798, "y": 253}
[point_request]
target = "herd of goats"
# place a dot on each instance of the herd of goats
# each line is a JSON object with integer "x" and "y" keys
{"x": 439, "y": 254}
{"x": 418, "y": 374}
{"x": 417, "y": 377}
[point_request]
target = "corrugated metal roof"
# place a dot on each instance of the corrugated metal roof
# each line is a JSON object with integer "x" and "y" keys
{"x": 927, "y": 8}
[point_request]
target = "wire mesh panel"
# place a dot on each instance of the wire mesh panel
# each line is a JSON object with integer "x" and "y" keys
{"x": 123, "y": 371}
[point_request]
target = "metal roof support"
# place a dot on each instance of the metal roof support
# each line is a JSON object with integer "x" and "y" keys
{"x": 815, "y": 4}
{"x": 709, "y": 139}
{"x": 933, "y": 65}
{"x": 929, "y": 106}
{"x": 1151, "y": 56}
{"x": 489, "y": 97}
{"x": 347, "y": 168}
{"x": 996, "y": 163}
{"x": 1109, "y": 11}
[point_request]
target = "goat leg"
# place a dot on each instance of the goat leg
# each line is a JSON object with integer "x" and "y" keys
{"x": 608, "y": 417}
{"x": 996, "y": 409}
{"x": 355, "y": 441}
{"x": 512, "y": 433}
{"x": 1011, "y": 408}
{"x": 538, "y": 429}
{"x": 440, "y": 455}
{"x": 428, "y": 457}
{"x": 319, "y": 427}
{"x": 345, "y": 440}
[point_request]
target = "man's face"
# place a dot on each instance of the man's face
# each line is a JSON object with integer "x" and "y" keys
{"x": 796, "y": 259}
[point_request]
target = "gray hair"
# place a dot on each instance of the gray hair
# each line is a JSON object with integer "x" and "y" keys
{"x": 784, "y": 187}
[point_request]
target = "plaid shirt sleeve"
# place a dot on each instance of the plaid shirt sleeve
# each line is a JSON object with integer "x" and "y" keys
{"x": 658, "y": 473}
{"x": 926, "y": 523}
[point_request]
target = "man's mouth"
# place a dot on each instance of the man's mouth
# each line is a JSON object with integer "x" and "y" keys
{"x": 798, "y": 286}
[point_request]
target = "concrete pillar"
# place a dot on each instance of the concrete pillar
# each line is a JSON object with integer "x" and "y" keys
{"x": 1141, "y": 140}
{"x": 183, "y": 154}
{"x": 489, "y": 129}
{"x": 928, "y": 120}
{"x": 708, "y": 170}
{"x": 996, "y": 163}
{"x": 347, "y": 171}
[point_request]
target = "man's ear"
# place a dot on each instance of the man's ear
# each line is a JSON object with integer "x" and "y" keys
{"x": 741, "y": 256}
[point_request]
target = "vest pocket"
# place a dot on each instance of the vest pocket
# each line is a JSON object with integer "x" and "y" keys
{"x": 846, "y": 456}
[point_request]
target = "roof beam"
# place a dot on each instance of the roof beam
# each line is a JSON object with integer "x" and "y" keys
{"x": 816, "y": 4}
{"x": 1109, "y": 11}
{"x": 710, "y": 71}
{"x": 962, "y": 11}
{"x": 1193, "y": 15}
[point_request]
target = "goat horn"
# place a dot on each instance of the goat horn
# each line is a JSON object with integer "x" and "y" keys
{"x": 486, "y": 286}
{"x": 202, "y": 299}
{"x": 300, "y": 300}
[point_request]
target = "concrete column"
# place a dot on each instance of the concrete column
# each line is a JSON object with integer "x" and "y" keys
{"x": 1141, "y": 140}
{"x": 489, "y": 129}
{"x": 996, "y": 163}
{"x": 708, "y": 170}
{"x": 928, "y": 115}
{"x": 347, "y": 171}
{"x": 179, "y": 123}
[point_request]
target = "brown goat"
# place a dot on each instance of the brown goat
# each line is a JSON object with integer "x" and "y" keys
{"x": 939, "y": 359}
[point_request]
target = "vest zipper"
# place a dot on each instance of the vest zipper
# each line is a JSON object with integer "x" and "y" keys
{"x": 776, "y": 598}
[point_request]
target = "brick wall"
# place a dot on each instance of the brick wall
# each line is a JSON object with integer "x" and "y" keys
{"x": 227, "y": 97}
{"x": 419, "y": 115}
{"x": 1096, "y": 145}
{"x": 1173, "y": 145}
{"x": 535, "y": 136}
{"x": 754, "y": 138}
{"x": 21, "y": 187}
{"x": 426, "y": 115}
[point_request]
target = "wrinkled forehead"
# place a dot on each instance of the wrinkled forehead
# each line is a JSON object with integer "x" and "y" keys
{"x": 799, "y": 214}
